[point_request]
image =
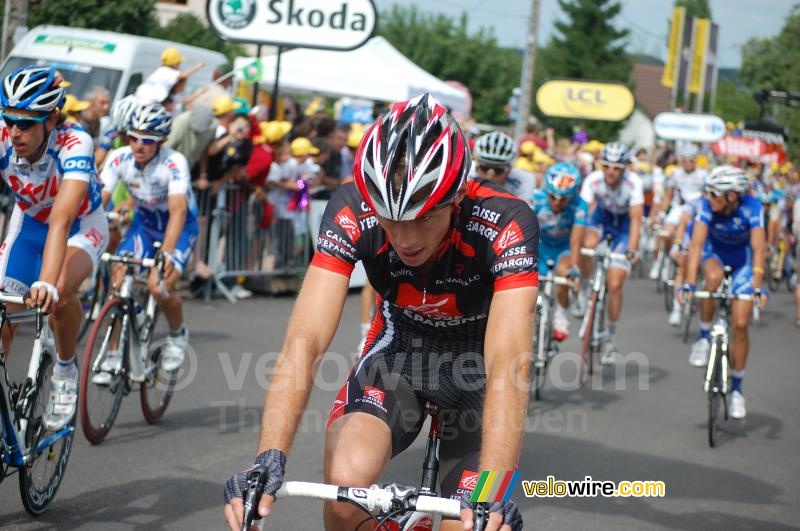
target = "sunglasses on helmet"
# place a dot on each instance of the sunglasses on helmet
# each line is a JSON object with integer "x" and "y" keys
{"x": 147, "y": 140}
{"x": 23, "y": 123}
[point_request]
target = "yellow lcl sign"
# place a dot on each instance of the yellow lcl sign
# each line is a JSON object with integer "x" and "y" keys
{"x": 585, "y": 100}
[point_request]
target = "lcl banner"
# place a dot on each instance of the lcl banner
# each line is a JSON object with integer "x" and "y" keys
{"x": 586, "y": 100}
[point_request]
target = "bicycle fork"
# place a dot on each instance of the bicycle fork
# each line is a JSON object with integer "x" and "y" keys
{"x": 714, "y": 383}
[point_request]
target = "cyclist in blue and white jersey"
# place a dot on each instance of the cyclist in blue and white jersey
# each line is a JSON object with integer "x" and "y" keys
{"x": 115, "y": 135}
{"x": 58, "y": 229}
{"x": 683, "y": 185}
{"x": 733, "y": 224}
{"x": 617, "y": 206}
{"x": 494, "y": 154}
{"x": 562, "y": 224}
{"x": 158, "y": 180}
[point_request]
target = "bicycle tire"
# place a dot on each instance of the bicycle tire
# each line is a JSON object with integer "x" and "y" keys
{"x": 715, "y": 396}
{"x": 53, "y": 460}
{"x": 669, "y": 293}
{"x": 540, "y": 369}
{"x": 686, "y": 317}
{"x": 156, "y": 391}
{"x": 98, "y": 423}
{"x": 585, "y": 367}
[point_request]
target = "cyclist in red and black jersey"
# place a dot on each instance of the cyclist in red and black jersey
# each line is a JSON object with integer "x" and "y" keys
{"x": 454, "y": 264}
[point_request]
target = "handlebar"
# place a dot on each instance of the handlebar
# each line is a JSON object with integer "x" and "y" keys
{"x": 720, "y": 296}
{"x": 128, "y": 260}
{"x": 602, "y": 254}
{"x": 385, "y": 498}
{"x": 12, "y": 299}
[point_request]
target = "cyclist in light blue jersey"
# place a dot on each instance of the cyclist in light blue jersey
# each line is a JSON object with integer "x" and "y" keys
{"x": 562, "y": 224}
{"x": 732, "y": 222}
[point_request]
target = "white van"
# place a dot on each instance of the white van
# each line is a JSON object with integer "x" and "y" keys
{"x": 116, "y": 61}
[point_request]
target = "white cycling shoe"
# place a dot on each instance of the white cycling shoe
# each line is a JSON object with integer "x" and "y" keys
{"x": 675, "y": 316}
{"x": 610, "y": 353}
{"x": 63, "y": 401}
{"x": 112, "y": 364}
{"x": 653, "y": 275}
{"x": 560, "y": 325}
{"x": 737, "y": 405}
{"x": 175, "y": 351}
{"x": 700, "y": 351}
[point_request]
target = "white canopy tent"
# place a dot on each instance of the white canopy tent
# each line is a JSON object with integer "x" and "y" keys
{"x": 375, "y": 71}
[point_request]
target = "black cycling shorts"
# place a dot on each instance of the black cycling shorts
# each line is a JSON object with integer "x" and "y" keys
{"x": 403, "y": 366}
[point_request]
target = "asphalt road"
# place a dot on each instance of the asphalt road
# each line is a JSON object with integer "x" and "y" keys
{"x": 646, "y": 423}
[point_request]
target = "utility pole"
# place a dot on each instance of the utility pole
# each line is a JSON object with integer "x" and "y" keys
{"x": 526, "y": 83}
{"x": 15, "y": 16}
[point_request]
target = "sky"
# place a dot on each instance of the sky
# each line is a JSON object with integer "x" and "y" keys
{"x": 739, "y": 20}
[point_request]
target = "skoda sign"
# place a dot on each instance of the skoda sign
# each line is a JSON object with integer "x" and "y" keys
{"x": 690, "y": 127}
{"x": 327, "y": 24}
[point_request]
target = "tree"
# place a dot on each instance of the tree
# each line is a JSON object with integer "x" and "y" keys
{"x": 444, "y": 48}
{"x": 695, "y": 8}
{"x": 587, "y": 46}
{"x": 123, "y": 16}
{"x": 188, "y": 29}
{"x": 771, "y": 64}
{"x": 734, "y": 105}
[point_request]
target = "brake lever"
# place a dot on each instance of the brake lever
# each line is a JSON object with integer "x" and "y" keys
{"x": 480, "y": 517}
{"x": 255, "y": 484}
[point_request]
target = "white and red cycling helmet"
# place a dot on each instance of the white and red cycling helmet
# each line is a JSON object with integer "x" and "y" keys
{"x": 420, "y": 138}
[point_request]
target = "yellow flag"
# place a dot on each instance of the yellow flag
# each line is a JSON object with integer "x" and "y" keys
{"x": 670, "y": 74}
{"x": 697, "y": 68}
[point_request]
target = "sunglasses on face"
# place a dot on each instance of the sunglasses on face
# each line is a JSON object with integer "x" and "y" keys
{"x": 146, "y": 140}
{"x": 23, "y": 124}
{"x": 494, "y": 169}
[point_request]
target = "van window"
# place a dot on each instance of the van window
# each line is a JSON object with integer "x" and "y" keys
{"x": 82, "y": 77}
{"x": 135, "y": 80}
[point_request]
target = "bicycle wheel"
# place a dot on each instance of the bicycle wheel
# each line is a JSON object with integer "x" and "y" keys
{"x": 715, "y": 395}
{"x": 39, "y": 481}
{"x": 92, "y": 302}
{"x": 687, "y": 312}
{"x": 585, "y": 367}
{"x": 99, "y": 404}
{"x": 669, "y": 275}
{"x": 540, "y": 362}
{"x": 156, "y": 390}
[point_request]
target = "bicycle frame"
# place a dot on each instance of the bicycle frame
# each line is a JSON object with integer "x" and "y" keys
{"x": 15, "y": 402}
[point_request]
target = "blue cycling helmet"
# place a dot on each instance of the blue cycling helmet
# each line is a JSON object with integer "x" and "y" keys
{"x": 152, "y": 119}
{"x": 32, "y": 88}
{"x": 562, "y": 180}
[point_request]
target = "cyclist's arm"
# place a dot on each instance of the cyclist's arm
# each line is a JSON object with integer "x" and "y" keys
{"x": 507, "y": 357}
{"x": 575, "y": 243}
{"x": 312, "y": 325}
{"x": 699, "y": 235}
{"x": 177, "y": 205}
{"x": 685, "y": 217}
{"x": 64, "y": 213}
{"x": 637, "y": 213}
{"x": 759, "y": 246}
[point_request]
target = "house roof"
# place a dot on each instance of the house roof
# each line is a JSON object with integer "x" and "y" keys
{"x": 651, "y": 97}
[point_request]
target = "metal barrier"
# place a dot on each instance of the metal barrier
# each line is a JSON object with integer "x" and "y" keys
{"x": 243, "y": 235}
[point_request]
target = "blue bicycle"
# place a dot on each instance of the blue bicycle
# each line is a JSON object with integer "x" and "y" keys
{"x": 39, "y": 455}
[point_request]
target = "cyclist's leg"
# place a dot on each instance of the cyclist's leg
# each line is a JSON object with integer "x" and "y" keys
{"x": 459, "y": 464}
{"x": 590, "y": 240}
{"x": 712, "y": 278}
{"x": 376, "y": 400}
{"x": 20, "y": 261}
{"x": 171, "y": 303}
{"x": 562, "y": 268}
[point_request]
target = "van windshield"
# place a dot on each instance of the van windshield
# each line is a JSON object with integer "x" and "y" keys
{"x": 82, "y": 77}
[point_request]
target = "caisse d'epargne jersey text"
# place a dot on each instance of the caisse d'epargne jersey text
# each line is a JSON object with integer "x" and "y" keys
{"x": 492, "y": 247}
{"x": 69, "y": 154}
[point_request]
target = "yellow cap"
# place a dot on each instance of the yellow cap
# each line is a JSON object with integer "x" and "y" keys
{"x": 540, "y": 157}
{"x": 64, "y": 83}
{"x": 355, "y": 135}
{"x": 528, "y": 147}
{"x": 223, "y": 105}
{"x": 172, "y": 57}
{"x": 594, "y": 146}
{"x": 73, "y": 104}
{"x": 524, "y": 164}
{"x": 272, "y": 132}
{"x": 701, "y": 161}
{"x": 301, "y": 146}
